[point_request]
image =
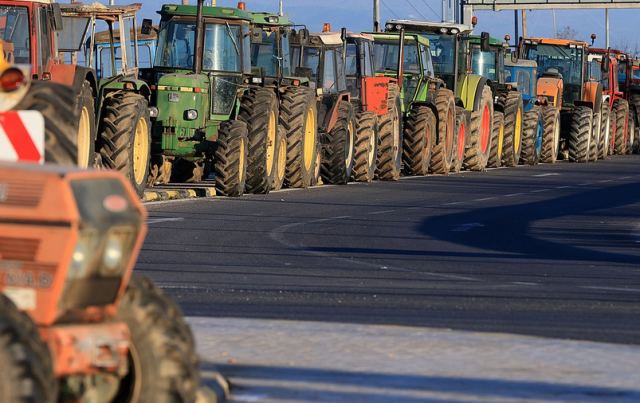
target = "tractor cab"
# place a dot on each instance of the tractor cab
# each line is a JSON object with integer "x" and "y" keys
{"x": 489, "y": 62}
{"x": 145, "y": 43}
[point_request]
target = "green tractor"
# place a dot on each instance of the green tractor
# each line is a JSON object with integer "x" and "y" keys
{"x": 517, "y": 131}
{"x": 428, "y": 139}
{"x": 286, "y": 99}
{"x": 474, "y": 98}
{"x": 200, "y": 80}
{"x": 114, "y": 122}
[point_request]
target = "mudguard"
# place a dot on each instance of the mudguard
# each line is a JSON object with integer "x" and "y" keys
{"x": 332, "y": 117}
{"x": 73, "y": 76}
{"x": 551, "y": 89}
{"x": 593, "y": 95}
{"x": 130, "y": 84}
{"x": 470, "y": 92}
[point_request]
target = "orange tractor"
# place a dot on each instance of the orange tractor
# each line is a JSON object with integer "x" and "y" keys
{"x": 564, "y": 82}
{"x": 74, "y": 324}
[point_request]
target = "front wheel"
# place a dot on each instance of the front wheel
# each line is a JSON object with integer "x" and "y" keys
{"x": 364, "y": 157}
{"x": 419, "y": 134}
{"x": 163, "y": 360}
{"x": 337, "y": 147}
{"x": 551, "y": 136}
{"x": 580, "y": 134}
{"x": 532, "y": 136}
{"x": 479, "y": 145}
{"x": 498, "y": 140}
{"x": 230, "y": 158}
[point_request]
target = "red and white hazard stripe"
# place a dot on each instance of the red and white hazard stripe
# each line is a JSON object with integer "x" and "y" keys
{"x": 22, "y": 136}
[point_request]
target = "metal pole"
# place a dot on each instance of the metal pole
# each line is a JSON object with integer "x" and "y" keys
{"x": 401, "y": 60}
{"x": 524, "y": 23}
{"x": 281, "y": 8}
{"x": 515, "y": 18}
{"x": 606, "y": 28}
{"x": 199, "y": 39}
{"x": 376, "y": 15}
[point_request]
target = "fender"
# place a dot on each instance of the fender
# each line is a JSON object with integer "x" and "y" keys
{"x": 592, "y": 95}
{"x": 73, "y": 76}
{"x": 128, "y": 84}
{"x": 550, "y": 89}
{"x": 471, "y": 91}
{"x": 332, "y": 117}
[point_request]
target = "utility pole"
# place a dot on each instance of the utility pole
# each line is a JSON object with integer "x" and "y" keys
{"x": 281, "y": 8}
{"x": 517, "y": 25}
{"x": 606, "y": 28}
{"x": 376, "y": 15}
{"x": 524, "y": 23}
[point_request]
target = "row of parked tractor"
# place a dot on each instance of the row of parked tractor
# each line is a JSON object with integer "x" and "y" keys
{"x": 254, "y": 102}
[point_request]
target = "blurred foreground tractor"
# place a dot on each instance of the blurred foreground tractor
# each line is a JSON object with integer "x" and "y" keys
{"x": 428, "y": 107}
{"x": 289, "y": 155}
{"x": 74, "y": 324}
{"x": 473, "y": 95}
{"x": 112, "y": 127}
{"x": 321, "y": 58}
{"x": 563, "y": 82}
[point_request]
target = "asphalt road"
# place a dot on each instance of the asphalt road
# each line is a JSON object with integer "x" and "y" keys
{"x": 552, "y": 251}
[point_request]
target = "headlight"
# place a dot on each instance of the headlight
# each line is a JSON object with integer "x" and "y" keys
{"x": 192, "y": 114}
{"x": 455, "y": 31}
{"x": 83, "y": 254}
{"x": 113, "y": 254}
{"x": 443, "y": 30}
{"x": 153, "y": 112}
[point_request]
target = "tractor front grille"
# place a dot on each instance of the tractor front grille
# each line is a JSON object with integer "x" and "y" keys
{"x": 20, "y": 249}
{"x": 21, "y": 192}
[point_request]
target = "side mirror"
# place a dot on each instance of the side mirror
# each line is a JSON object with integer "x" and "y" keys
{"x": 514, "y": 56}
{"x": 303, "y": 35}
{"x": 57, "y": 17}
{"x": 484, "y": 42}
{"x": 147, "y": 27}
{"x": 604, "y": 67}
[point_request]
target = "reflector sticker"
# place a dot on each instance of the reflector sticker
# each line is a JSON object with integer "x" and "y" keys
{"x": 115, "y": 203}
{"x": 24, "y": 298}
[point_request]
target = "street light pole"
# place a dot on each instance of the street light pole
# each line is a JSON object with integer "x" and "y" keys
{"x": 281, "y": 8}
{"x": 376, "y": 15}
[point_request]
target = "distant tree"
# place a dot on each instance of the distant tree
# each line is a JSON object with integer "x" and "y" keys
{"x": 567, "y": 33}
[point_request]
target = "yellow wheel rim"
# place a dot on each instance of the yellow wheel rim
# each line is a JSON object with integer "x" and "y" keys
{"x": 500, "y": 140}
{"x": 309, "y": 138}
{"x": 140, "y": 151}
{"x": 84, "y": 139}
{"x": 271, "y": 142}
{"x": 350, "y": 134}
{"x": 241, "y": 161}
{"x": 372, "y": 150}
{"x": 517, "y": 135}
{"x": 282, "y": 158}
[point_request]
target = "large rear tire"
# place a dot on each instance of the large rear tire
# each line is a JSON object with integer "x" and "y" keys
{"x": 443, "y": 147}
{"x": 497, "y": 141}
{"x": 460, "y": 139}
{"x": 551, "y": 136}
{"x": 479, "y": 144}
{"x": 230, "y": 160}
{"x": 389, "y": 158}
{"x": 366, "y": 148}
{"x": 419, "y": 135}
{"x": 513, "y": 115}
{"x": 281, "y": 160}
{"x": 55, "y": 103}
{"x": 86, "y": 131}
{"x": 603, "y": 145}
{"x": 27, "y": 371}
{"x": 163, "y": 359}
{"x": 532, "y": 136}
{"x": 338, "y": 146}
{"x": 259, "y": 110}
{"x": 125, "y": 137}
{"x": 596, "y": 132}
{"x": 298, "y": 116}
{"x": 621, "y": 108}
{"x": 578, "y": 141}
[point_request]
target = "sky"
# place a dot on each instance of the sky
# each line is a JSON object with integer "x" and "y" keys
{"x": 356, "y": 15}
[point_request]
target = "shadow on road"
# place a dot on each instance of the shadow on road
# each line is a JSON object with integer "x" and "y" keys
{"x": 295, "y": 383}
{"x": 509, "y": 228}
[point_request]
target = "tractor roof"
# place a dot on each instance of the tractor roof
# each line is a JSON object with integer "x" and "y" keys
{"x": 227, "y": 13}
{"x": 100, "y": 11}
{"x": 271, "y": 19}
{"x": 615, "y": 52}
{"x": 520, "y": 63}
{"x": 393, "y": 36}
{"x": 475, "y": 39}
{"x": 428, "y": 26}
{"x": 557, "y": 42}
{"x": 104, "y": 37}
{"x": 363, "y": 36}
{"x": 326, "y": 38}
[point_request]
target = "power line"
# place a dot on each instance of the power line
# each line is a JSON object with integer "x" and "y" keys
{"x": 390, "y": 9}
{"x": 430, "y": 8}
{"x": 417, "y": 11}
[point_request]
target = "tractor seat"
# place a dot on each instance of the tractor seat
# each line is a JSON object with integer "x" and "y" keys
{"x": 552, "y": 73}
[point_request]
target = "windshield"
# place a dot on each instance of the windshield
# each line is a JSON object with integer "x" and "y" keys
{"x": 443, "y": 52}
{"x": 557, "y": 59}
{"x": 386, "y": 57}
{"x": 484, "y": 64}
{"x": 222, "y": 46}
{"x": 265, "y": 54}
{"x": 14, "y": 31}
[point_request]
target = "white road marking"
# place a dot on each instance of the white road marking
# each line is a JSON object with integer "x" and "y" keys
{"x": 563, "y": 187}
{"x": 485, "y": 199}
{"x": 547, "y": 174}
{"x": 381, "y": 212}
{"x": 586, "y": 184}
{"x": 626, "y": 177}
{"x": 606, "y": 181}
{"x": 524, "y": 283}
{"x": 453, "y": 203}
{"x": 587, "y": 287}
{"x": 159, "y": 220}
{"x": 540, "y": 190}
{"x": 467, "y": 227}
{"x": 514, "y": 194}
